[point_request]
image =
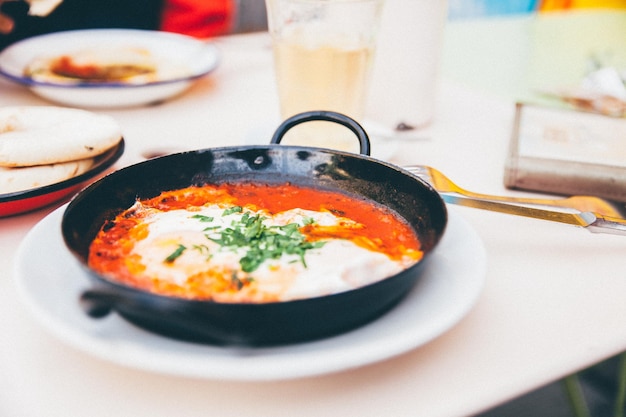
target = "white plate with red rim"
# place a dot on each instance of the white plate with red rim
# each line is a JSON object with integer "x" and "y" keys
{"x": 51, "y": 283}
{"x": 191, "y": 57}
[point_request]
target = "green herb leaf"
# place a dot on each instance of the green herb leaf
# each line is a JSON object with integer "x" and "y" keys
{"x": 231, "y": 210}
{"x": 179, "y": 251}
{"x": 261, "y": 242}
{"x": 203, "y": 218}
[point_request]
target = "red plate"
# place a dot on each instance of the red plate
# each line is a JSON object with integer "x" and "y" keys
{"x": 28, "y": 200}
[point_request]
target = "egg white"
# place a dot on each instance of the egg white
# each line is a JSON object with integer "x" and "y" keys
{"x": 339, "y": 265}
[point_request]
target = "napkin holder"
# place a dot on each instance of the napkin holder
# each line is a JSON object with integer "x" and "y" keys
{"x": 562, "y": 151}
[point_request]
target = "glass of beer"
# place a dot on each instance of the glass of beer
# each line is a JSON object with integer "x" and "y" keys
{"x": 323, "y": 56}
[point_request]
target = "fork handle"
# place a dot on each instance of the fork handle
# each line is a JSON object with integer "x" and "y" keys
{"x": 591, "y": 221}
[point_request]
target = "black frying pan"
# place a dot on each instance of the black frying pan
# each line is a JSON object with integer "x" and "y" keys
{"x": 268, "y": 323}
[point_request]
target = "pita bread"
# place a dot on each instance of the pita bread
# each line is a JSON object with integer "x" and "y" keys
{"x": 26, "y": 178}
{"x": 42, "y": 7}
{"x": 45, "y": 135}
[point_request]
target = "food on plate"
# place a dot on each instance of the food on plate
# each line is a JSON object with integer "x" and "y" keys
{"x": 98, "y": 65}
{"x": 253, "y": 243}
{"x": 128, "y": 65}
{"x": 43, "y": 145}
{"x": 25, "y": 178}
{"x": 40, "y": 135}
{"x": 66, "y": 66}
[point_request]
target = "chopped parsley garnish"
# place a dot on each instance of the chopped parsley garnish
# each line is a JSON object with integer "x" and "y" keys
{"x": 204, "y": 250}
{"x": 179, "y": 251}
{"x": 202, "y": 218}
{"x": 231, "y": 210}
{"x": 259, "y": 241}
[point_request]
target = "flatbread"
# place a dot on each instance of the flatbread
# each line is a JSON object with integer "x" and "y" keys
{"x": 45, "y": 135}
{"x": 42, "y": 7}
{"x": 21, "y": 179}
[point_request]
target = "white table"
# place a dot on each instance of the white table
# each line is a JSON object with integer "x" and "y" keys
{"x": 553, "y": 302}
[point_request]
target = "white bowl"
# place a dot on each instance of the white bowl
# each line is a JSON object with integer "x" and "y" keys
{"x": 195, "y": 57}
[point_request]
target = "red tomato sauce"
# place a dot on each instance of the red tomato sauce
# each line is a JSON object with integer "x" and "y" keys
{"x": 392, "y": 233}
{"x": 379, "y": 229}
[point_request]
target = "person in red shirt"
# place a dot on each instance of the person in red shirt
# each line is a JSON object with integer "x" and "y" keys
{"x": 199, "y": 18}
{"x": 204, "y": 19}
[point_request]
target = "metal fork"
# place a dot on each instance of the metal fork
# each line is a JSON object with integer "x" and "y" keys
{"x": 576, "y": 214}
{"x": 581, "y": 203}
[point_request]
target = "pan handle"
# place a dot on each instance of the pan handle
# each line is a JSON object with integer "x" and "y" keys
{"x": 327, "y": 116}
{"x": 99, "y": 303}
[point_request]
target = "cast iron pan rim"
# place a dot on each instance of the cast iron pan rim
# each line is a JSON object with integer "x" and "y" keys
{"x": 137, "y": 292}
{"x": 224, "y": 149}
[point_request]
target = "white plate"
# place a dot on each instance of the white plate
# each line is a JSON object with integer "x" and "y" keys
{"x": 197, "y": 57}
{"x": 50, "y": 284}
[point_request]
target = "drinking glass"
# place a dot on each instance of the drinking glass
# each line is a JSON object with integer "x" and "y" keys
{"x": 323, "y": 56}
